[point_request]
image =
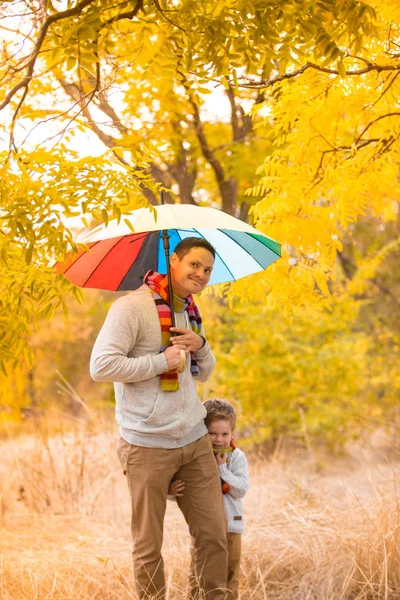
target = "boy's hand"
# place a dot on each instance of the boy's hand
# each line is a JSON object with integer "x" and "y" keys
{"x": 176, "y": 488}
{"x": 221, "y": 458}
{"x": 188, "y": 338}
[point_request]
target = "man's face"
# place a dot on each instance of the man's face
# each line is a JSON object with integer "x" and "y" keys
{"x": 191, "y": 274}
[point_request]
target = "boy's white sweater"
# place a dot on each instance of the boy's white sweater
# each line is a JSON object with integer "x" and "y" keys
{"x": 236, "y": 474}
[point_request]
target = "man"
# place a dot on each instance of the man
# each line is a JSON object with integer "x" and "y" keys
{"x": 161, "y": 418}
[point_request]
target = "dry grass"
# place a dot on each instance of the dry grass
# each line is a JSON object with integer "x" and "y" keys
{"x": 65, "y": 534}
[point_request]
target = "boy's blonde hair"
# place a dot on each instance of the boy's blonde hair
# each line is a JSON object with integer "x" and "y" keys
{"x": 219, "y": 409}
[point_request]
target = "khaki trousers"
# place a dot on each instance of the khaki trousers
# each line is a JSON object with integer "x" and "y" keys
{"x": 149, "y": 472}
{"x": 234, "y": 552}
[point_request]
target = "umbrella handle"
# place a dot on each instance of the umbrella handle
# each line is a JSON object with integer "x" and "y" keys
{"x": 182, "y": 364}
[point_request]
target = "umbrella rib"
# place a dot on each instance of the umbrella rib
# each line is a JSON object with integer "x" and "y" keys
{"x": 216, "y": 252}
{"x": 252, "y": 235}
{"x": 79, "y": 257}
{"x": 105, "y": 256}
{"x": 244, "y": 249}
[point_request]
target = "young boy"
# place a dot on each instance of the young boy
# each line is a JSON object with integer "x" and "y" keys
{"x": 233, "y": 470}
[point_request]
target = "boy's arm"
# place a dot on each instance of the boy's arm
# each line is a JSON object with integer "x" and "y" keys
{"x": 176, "y": 488}
{"x": 237, "y": 477}
{"x": 117, "y": 337}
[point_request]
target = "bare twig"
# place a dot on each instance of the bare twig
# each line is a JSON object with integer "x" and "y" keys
{"x": 75, "y": 92}
{"x": 391, "y": 114}
{"x": 386, "y": 88}
{"x": 162, "y": 11}
{"x": 318, "y": 177}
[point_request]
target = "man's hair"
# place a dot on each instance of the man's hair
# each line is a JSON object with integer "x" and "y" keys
{"x": 188, "y": 243}
{"x": 218, "y": 410}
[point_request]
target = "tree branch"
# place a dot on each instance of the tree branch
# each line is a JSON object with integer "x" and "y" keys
{"x": 183, "y": 170}
{"x": 35, "y": 52}
{"x": 317, "y": 177}
{"x": 385, "y": 290}
{"x": 129, "y": 14}
{"x": 103, "y": 104}
{"x": 73, "y": 90}
{"x": 205, "y": 148}
{"x": 162, "y": 12}
{"x": 265, "y": 83}
{"x": 30, "y": 66}
{"x": 228, "y": 187}
{"x": 391, "y": 114}
{"x": 237, "y": 132}
{"x": 387, "y": 87}
{"x": 347, "y": 265}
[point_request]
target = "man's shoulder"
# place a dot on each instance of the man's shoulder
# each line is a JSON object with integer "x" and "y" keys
{"x": 137, "y": 298}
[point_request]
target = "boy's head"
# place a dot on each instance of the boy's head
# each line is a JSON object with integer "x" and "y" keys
{"x": 191, "y": 265}
{"x": 220, "y": 422}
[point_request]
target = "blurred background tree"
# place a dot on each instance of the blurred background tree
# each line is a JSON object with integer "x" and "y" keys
{"x": 285, "y": 115}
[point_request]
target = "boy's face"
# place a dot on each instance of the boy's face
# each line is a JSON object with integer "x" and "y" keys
{"x": 220, "y": 433}
{"x": 191, "y": 274}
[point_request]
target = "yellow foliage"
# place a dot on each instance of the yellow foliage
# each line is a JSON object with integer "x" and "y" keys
{"x": 322, "y": 78}
{"x": 317, "y": 370}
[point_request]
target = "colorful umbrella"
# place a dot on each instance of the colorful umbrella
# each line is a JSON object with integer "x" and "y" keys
{"x": 118, "y": 257}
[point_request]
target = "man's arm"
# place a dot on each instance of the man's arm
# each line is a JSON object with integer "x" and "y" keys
{"x": 205, "y": 361}
{"x": 200, "y": 347}
{"x": 117, "y": 337}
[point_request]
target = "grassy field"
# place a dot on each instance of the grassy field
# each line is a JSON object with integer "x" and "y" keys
{"x": 312, "y": 533}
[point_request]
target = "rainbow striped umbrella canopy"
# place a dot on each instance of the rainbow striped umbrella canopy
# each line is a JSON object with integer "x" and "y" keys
{"x": 117, "y": 257}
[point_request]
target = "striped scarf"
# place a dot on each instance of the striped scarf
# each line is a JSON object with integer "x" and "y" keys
{"x": 158, "y": 285}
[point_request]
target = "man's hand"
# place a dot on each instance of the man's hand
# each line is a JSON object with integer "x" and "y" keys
{"x": 173, "y": 355}
{"x": 188, "y": 338}
{"x": 221, "y": 458}
{"x": 176, "y": 488}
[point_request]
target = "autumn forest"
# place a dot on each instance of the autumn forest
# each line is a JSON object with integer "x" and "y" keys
{"x": 285, "y": 115}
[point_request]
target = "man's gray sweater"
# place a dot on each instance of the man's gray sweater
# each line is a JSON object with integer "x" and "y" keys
{"x": 127, "y": 352}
